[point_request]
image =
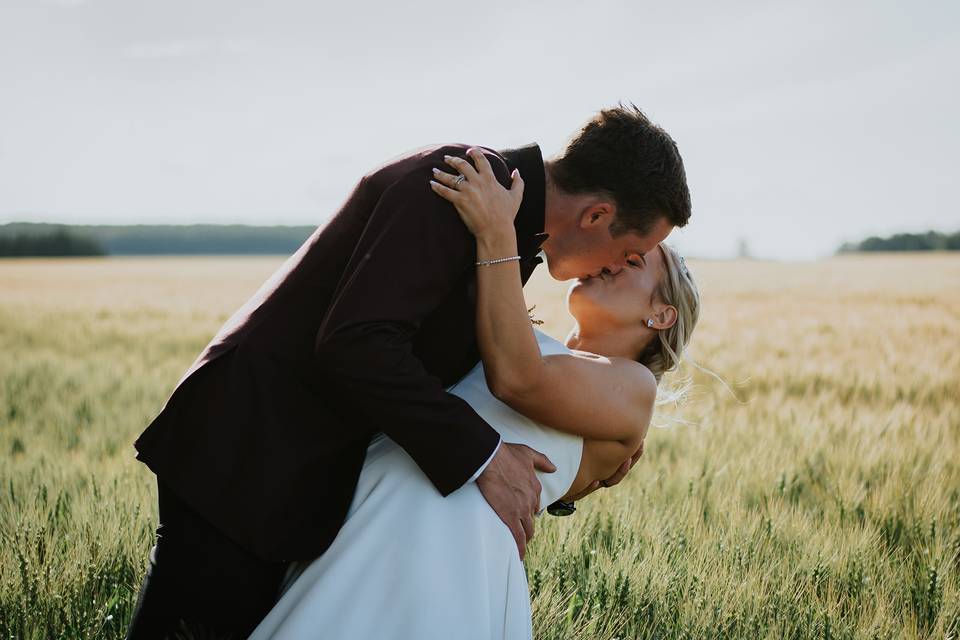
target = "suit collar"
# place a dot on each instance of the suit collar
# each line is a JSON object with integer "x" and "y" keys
{"x": 529, "y": 222}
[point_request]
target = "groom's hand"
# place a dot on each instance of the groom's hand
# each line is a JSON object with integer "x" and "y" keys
{"x": 511, "y": 487}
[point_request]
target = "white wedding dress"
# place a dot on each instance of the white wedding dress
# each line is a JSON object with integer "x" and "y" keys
{"x": 410, "y": 564}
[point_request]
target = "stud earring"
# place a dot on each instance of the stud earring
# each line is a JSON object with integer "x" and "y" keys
{"x": 650, "y": 322}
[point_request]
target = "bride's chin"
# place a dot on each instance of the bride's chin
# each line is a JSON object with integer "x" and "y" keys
{"x": 578, "y": 294}
{"x": 581, "y": 287}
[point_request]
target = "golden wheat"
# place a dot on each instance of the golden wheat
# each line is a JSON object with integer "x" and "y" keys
{"x": 823, "y": 501}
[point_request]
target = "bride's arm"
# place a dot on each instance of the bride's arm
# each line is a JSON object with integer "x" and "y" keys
{"x": 591, "y": 396}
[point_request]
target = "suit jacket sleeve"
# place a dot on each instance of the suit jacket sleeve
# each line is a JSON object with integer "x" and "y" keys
{"x": 413, "y": 250}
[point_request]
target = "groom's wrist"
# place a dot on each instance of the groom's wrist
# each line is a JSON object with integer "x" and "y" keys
{"x": 485, "y": 464}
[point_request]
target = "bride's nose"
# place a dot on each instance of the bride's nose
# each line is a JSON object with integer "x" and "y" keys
{"x": 612, "y": 271}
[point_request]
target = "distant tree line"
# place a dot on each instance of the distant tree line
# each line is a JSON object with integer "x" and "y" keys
{"x": 929, "y": 241}
{"x": 24, "y": 239}
{"x": 56, "y": 242}
{"x": 40, "y": 239}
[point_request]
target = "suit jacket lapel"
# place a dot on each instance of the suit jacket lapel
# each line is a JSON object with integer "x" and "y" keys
{"x": 529, "y": 222}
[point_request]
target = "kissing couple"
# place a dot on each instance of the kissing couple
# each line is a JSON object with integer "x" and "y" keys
{"x": 362, "y": 449}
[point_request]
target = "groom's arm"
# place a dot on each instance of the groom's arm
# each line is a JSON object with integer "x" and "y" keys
{"x": 413, "y": 251}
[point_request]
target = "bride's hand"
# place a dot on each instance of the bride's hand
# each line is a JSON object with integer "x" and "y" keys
{"x": 620, "y": 474}
{"x": 482, "y": 202}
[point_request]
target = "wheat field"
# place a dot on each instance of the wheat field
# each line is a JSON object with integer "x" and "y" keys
{"x": 818, "y": 497}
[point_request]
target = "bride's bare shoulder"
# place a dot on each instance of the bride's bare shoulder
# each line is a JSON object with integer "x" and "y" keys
{"x": 590, "y": 395}
{"x": 628, "y": 380}
{"x": 636, "y": 371}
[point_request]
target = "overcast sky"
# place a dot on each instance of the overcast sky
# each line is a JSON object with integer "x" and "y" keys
{"x": 801, "y": 124}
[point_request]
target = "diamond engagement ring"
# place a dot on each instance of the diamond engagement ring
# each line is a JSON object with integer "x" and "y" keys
{"x": 460, "y": 178}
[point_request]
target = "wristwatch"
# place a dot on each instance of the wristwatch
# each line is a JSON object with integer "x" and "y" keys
{"x": 561, "y": 508}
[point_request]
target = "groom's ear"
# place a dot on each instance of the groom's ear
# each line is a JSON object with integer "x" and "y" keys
{"x": 598, "y": 213}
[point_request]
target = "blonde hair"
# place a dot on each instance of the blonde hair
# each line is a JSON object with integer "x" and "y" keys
{"x": 677, "y": 288}
{"x": 665, "y": 352}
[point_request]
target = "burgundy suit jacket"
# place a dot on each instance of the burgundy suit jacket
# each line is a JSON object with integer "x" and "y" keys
{"x": 359, "y": 331}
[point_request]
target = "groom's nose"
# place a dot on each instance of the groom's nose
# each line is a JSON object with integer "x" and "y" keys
{"x": 612, "y": 271}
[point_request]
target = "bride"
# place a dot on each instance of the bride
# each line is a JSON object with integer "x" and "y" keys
{"x": 409, "y": 563}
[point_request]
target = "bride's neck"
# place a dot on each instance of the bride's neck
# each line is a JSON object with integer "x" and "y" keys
{"x": 609, "y": 343}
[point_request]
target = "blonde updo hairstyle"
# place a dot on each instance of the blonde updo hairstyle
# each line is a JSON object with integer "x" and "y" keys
{"x": 677, "y": 288}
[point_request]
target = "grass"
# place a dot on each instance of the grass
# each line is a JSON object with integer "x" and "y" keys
{"x": 824, "y": 503}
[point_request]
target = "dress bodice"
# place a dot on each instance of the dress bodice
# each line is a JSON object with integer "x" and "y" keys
{"x": 457, "y": 563}
{"x": 564, "y": 450}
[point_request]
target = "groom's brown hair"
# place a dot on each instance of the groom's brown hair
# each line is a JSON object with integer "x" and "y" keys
{"x": 621, "y": 154}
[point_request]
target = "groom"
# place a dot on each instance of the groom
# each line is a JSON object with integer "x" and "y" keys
{"x": 258, "y": 449}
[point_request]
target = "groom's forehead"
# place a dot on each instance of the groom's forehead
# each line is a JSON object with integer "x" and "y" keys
{"x": 641, "y": 244}
{"x": 636, "y": 244}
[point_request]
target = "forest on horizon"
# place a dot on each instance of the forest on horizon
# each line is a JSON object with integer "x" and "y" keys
{"x": 28, "y": 239}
